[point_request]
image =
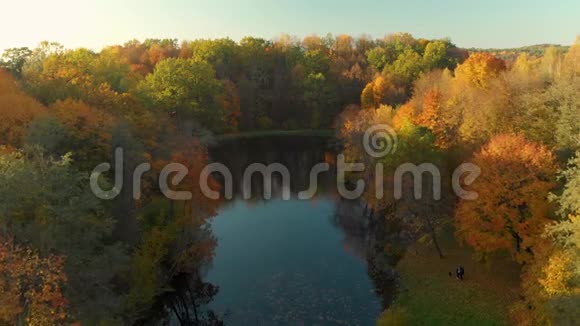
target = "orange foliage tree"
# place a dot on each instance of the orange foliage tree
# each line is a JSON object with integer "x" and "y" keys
{"x": 17, "y": 111}
{"x": 511, "y": 210}
{"x": 231, "y": 105}
{"x": 88, "y": 129}
{"x": 433, "y": 117}
{"x": 381, "y": 90}
{"x": 193, "y": 155}
{"x": 30, "y": 286}
{"x": 404, "y": 114}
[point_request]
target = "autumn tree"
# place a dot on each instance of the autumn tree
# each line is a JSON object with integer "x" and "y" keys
{"x": 186, "y": 88}
{"x": 434, "y": 106}
{"x": 142, "y": 57}
{"x": 222, "y": 54}
{"x": 87, "y": 130}
{"x": 551, "y": 64}
{"x": 407, "y": 66}
{"x": 525, "y": 108}
{"x": 99, "y": 79}
{"x": 382, "y": 90}
{"x": 511, "y": 210}
{"x": 560, "y": 280}
{"x": 320, "y": 98}
{"x": 14, "y": 59}
{"x": 174, "y": 238}
{"x": 479, "y": 69}
{"x": 435, "y": 118}
{"x": 551, "y": 283}
{"x": 436, "y": 55}
{"x": 571, "y": 64}
{"x": 18, "y": 111}
{"x": 406, "y": 113}
{"x": 379, "y": 57}
{"x": 564, "y": 98}
{"x": 67, "y": 221}
{"x": 109, "y": 67}
{"x": 31, "y": 286}
{"x": 569, "y": 199}
{"x": 49, "y": 133}
{"x": 60, "y": 75}
{"x": 421, "y": 217}
{"x": 431, "y": 110}
{"x": 231, "y": 105}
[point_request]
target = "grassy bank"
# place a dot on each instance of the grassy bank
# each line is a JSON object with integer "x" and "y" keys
{"x": 272, "y": 133}
{"x": 428, "y": 296}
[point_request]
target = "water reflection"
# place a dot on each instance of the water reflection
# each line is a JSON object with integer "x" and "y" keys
{"x": 186, "y": 303}
{"x": 297, "y": 154}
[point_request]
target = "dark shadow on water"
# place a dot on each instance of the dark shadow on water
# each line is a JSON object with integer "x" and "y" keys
{"x": 185, "y": 303}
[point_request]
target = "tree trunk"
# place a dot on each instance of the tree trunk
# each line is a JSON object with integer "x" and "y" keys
{"x": 172, "y": 306}
{"x": 193, "y": 301}
{"x": 434, "y": 237}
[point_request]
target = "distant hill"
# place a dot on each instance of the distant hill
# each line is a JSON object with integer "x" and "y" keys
{"x": 509, "y": 54}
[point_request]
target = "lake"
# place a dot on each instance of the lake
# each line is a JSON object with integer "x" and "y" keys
{"x": 292, "y": 262}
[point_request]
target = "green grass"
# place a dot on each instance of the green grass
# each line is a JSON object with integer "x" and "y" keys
{"x": 268, "y": 133}
{"x": 428, "y": 296}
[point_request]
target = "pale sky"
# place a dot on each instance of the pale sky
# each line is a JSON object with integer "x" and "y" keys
{"x": 94, "y": 24}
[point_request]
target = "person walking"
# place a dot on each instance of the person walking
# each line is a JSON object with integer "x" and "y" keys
{"x": 461, "y": 271}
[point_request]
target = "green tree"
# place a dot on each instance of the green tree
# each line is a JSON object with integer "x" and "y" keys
{"x": 436, "y": 55}
{"x": 320, "y": 98}
{"x": 222, "y": 54}
{"x": 552, "y": 282}
{"x": 14, "y": 59}
{"x": 379, "y": 57}
{"x": 186, "y": 88}
{"x": 65, "y": 220}
{"x": 569, "y": 200}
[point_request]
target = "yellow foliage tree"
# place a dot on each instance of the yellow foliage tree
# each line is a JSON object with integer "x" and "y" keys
{"x": 405, "y": 113}
{"x": 479, "y": 69}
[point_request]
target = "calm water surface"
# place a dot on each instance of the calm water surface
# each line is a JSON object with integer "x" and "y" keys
{"x": 289, "y": 262}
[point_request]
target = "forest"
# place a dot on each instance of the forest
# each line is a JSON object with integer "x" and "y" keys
{"x": 67, "y": 257}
